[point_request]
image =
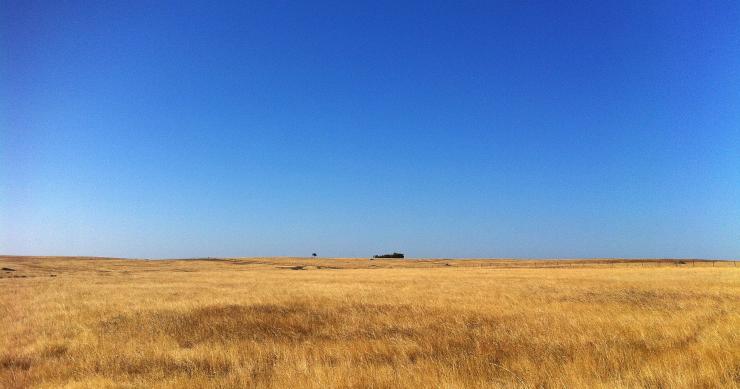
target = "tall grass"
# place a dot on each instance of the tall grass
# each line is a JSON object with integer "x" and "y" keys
{"x": 360, "y": 323}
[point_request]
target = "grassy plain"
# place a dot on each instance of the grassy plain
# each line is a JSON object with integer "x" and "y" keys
{"x": 323, "y": 323}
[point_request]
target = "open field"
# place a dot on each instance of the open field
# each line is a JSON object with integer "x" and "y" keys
{"x": 318, "y": 323}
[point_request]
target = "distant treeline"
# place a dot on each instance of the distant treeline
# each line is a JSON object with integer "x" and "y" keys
{"x": 394, "y": 255}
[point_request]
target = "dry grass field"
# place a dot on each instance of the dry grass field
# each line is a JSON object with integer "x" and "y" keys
{"x": 323, "y": 323}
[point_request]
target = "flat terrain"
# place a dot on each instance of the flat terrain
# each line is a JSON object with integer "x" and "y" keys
{"x": 322, "y": 323}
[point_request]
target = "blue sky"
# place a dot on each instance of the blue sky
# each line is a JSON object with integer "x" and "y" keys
{"x": 443, "y": 129}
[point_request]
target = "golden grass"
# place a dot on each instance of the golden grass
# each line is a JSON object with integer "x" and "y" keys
{"x": 360, "y": 323}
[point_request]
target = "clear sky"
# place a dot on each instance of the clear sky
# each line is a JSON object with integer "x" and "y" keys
{"x": 495, "y": 129}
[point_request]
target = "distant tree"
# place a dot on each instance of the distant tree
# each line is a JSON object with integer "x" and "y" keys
{"x": 313, "y": 255}
{"x": 394, "y": 255}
